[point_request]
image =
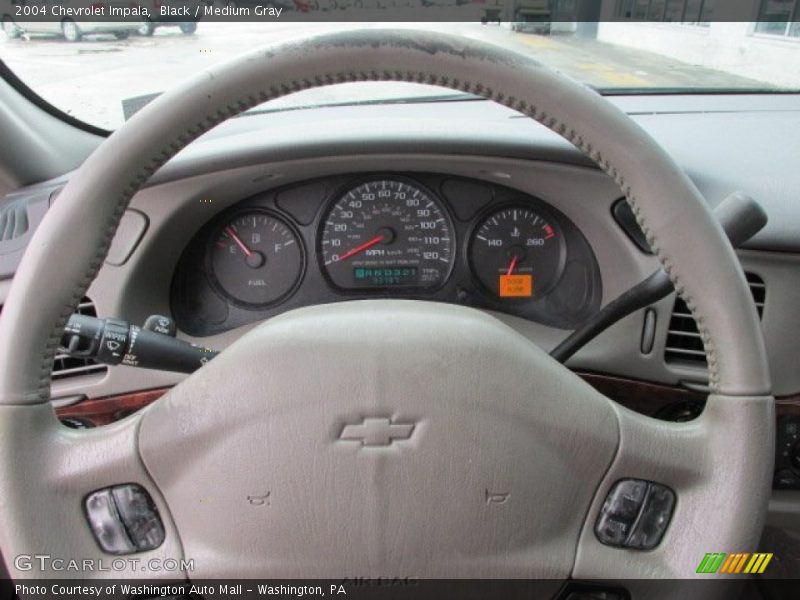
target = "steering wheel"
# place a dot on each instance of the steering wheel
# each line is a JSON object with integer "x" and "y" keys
{"x": 394, "y": 438}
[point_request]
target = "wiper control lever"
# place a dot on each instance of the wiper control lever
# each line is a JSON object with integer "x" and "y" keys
{"x": 117, "y": 342}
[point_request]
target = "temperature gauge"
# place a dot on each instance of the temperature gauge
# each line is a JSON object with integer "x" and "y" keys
{"x": 517, "y": 253}
{"x": 255, "y": 258}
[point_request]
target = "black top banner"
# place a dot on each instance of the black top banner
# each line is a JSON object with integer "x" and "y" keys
{"x": 529, "y": 13}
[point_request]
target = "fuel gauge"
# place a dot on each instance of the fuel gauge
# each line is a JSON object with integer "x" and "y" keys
{"x": 255, "y": 258}
{"x": 517, "y": 253}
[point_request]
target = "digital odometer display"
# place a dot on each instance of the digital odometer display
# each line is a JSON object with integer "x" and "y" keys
{"x": 387, "y": 233}
{"x": 385, "y": 276}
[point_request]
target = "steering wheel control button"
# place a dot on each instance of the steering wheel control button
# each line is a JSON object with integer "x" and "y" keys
{"x": 787, "y": 454}
{"x": 160, "y": 324}
{"x": 654, "y": 518}
{"x": 124, "y": 519}
{"x": 114, "y": 342}
{"x": 635, "y": 515}
{"x": 139, "y": 515}
{"x": 620, "y": 510}
{"x": 106, "y": 524}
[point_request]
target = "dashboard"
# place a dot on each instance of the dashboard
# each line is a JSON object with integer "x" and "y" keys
{"x": 473, "y": 160}
{"x": 457, "y": 202}
{"x": 198, "y": 242}
{"x": 386, "y": 234}
{"x": 351, "y": 203}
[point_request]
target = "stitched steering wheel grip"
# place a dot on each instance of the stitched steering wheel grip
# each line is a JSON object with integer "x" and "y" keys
{"x": 59, "y": 266}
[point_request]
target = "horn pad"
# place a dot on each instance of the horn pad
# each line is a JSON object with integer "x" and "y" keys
{"x": 380, "y": 439}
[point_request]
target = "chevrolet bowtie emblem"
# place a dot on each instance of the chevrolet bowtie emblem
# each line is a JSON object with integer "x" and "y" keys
{"x": 376, "y": 431}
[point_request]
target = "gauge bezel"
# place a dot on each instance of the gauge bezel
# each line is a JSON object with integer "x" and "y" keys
{"x": 219, "y": 225}
{"x": 405, "y": 290}
{"x": 201, "y": 309}
{"x": 483, "y": 216}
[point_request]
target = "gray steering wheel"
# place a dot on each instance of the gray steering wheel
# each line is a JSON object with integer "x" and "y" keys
{"x": 482, "y": 411}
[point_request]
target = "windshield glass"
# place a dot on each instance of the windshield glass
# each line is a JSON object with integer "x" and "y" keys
{"x": 101, "y": 73}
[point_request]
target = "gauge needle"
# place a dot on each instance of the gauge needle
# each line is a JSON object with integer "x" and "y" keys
{"x": 369, "y": 244}
{"x": 513, "y": 264}
{"x": 232, "y": 234}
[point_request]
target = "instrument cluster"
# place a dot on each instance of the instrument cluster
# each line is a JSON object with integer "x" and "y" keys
{"x": 386, "y": 235}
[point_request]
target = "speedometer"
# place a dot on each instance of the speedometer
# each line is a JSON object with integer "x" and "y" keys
{"x": 387, "y": 233}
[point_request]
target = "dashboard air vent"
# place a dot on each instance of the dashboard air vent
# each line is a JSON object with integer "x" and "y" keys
{"x": 13, "y": 220}
{"x": 684, "y": 344}
{"x": 66, "y": 366}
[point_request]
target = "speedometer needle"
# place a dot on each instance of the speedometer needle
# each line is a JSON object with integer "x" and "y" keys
{"x": 369, "y": 244}
{"x": 232, "y": 234}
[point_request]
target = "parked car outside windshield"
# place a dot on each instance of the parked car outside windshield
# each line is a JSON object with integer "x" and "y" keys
{"x": 106, "y": 74}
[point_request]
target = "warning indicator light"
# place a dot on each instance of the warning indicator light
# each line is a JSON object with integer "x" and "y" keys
{"x": 516, "y": 286}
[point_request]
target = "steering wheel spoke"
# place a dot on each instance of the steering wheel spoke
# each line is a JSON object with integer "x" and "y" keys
{"x": 63, "y": 467}
{"x": 700, "y": 461}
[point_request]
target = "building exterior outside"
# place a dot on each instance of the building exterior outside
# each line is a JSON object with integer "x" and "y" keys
{"x": 756, "y": 39}
{"x": 764, "y": 46}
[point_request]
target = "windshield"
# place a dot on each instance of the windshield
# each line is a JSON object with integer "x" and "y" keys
{"x": 101, "y": 73}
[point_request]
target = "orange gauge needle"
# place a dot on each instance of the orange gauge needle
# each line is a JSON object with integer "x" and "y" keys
{"x": 369, "y": 244}
{"x": 232, "y": 234}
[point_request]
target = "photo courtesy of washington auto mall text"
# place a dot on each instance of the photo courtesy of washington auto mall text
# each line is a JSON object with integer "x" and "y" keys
{"x": 178, "y": 589}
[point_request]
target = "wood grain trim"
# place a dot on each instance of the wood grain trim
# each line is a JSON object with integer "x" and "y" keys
{"x": 655, "y": 399}
{"x": 652, "y": 399}
{"x": 788, "y": 405}
{"x": 102, "y": 411}
{"x": 644, "y": 397}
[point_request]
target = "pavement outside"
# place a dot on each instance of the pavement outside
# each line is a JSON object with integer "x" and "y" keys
{"x": 91, "y": 78}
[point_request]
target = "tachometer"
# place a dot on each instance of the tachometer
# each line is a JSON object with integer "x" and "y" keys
{"x": 517, "y": 253}
{"x": 255, "y": 258}
{"x": 387, "y": 233}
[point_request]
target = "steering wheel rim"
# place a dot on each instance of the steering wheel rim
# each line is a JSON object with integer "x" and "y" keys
{"x": 684, "y": 235}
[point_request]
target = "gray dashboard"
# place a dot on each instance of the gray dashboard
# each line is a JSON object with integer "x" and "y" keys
{"x": 725, "y": 143}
